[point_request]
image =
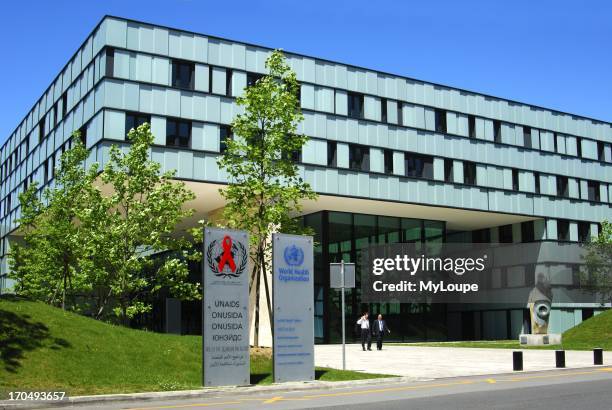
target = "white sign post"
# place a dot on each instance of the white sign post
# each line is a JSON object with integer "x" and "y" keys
{"x": 342, "y": 275}
{"x": 225, "y": 316}
{"x": 293, "y": 298}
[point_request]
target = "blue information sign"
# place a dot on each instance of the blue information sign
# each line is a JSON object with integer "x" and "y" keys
{"x": 293, "y": 308}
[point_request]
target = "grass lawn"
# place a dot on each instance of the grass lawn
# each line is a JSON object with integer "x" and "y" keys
{"x": 45, "y": 349}
{"x": 594, "y": 332}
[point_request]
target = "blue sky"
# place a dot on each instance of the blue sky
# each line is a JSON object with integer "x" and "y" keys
{"x": 556, "y": 54}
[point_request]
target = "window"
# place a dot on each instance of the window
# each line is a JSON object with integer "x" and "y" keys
{"x": 291, "y": 155}
{"x": 64, "y": 104}
{"x": 400, "y": 113}
{"x": 472, "y": 126}
{"x": 359, "y": 157}
{"x": 225, "y": 134}
{"x": 46, "y": 165}
{"x": 579, "y": 147}
{"x": 562, "y": 186}
{"x": 497, "y": 131}
{"x": 418, "y": 166}
{"x": 355, "y": 105}
{"x": 296, "y": 156}
{"x": 536, "y": 181}
{"x": 563, "y": 230}
{"x": 210, "y": 79}
{"x": 332, "y": 154}
{"x": 584, "y": 231}
{"x": 515, "y": 180}
{"x": 448, "y": 170}
{"x": 228, "y": 82}
{"x": 469, "y": 173}
{"x": 505, "y": 234}
{"x": 252, "y": 78}
{"x": 388, "y": 159}
{"x": 41, "y": 130}
{"x": 481, "y": 236}
{"x": 178, "y": 133}
{"x": 527, "y": 232}
{"x": 440, "y": 120}
{"x": 110, "y": 62}
{"x": 135, "y": 120}
{"x": 183, "y": 74}
{"x": 556, "y": 142}
{"x": 593, "y": 191}
{"x": 527, "y": 137}
{"x": 601, "y": 151}
{"x": 83, "y": 134}
{"x": 55, "y": 107}
{"x": 383, "y": 109}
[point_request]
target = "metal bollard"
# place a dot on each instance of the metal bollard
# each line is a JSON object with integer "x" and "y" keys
{"x": 598, "y": 356}
{"x": 517, "y": 361}
{"x": 560, "y": 358}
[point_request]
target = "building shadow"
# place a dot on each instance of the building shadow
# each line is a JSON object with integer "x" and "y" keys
{"x": 258, "y": 377}
{"x": 19, "y": 334}
{"x": 319, "y": 373}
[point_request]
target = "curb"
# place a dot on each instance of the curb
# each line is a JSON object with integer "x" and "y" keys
{"x": 200, "y": 393}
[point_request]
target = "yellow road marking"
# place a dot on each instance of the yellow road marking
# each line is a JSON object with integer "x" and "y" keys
{"x": 605, "y": 369}
{"x": 548, "y": 376}
{"x": 273, "y": 399}
{"x": 179, "y": 406}
{"x": 390, "y": 389}
{"x": 491, "y": 381}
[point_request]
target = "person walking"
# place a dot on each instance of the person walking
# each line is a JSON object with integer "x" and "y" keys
{"x": 366, "y": 337}
{"x": 379, "y": 328}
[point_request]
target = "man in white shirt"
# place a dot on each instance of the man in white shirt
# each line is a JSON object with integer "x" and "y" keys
{"x": 365, "y": 331}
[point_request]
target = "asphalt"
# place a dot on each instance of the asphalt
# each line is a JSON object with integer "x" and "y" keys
{"x": 576, "y": 389}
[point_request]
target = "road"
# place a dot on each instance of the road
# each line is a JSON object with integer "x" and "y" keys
{"x": 589, "y": 388}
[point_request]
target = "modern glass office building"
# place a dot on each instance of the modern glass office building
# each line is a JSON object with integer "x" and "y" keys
{"x": 394, "y": 159}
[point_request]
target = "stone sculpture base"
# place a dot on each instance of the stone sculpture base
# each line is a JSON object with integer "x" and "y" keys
{"x": 539, "y": 340}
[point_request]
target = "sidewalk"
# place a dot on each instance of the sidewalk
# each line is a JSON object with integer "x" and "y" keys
{"x": 425, "y": 363}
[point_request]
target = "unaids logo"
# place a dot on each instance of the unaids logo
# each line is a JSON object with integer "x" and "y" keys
{"x": 227, "y": 258}
{"x": 294, "y": 256}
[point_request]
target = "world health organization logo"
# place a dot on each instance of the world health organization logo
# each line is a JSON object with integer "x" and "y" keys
{"x": 294, "y": 256}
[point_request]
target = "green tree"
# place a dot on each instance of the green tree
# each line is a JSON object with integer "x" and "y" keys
{"x": 597, "y": 277}
{"x": 45, "y": 264}
{"x": 141, "y": 212}
{"x": 265, "y": 189}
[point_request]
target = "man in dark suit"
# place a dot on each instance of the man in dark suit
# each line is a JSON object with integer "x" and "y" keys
{"x": 379, "y": 328}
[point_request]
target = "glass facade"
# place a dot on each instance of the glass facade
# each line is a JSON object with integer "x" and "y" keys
{"x": 343, "y": 236}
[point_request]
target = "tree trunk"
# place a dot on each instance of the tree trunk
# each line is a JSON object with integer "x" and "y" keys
{"x": 265, "y": 276}
{"x": 65, "y": 284}
{"x": 256, "y": 324}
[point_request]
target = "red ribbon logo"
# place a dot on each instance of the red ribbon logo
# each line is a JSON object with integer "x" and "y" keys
{"x": 227, "y": 254}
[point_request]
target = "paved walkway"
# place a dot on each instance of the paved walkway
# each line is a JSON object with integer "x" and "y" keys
{"x": 421, "y": 362}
